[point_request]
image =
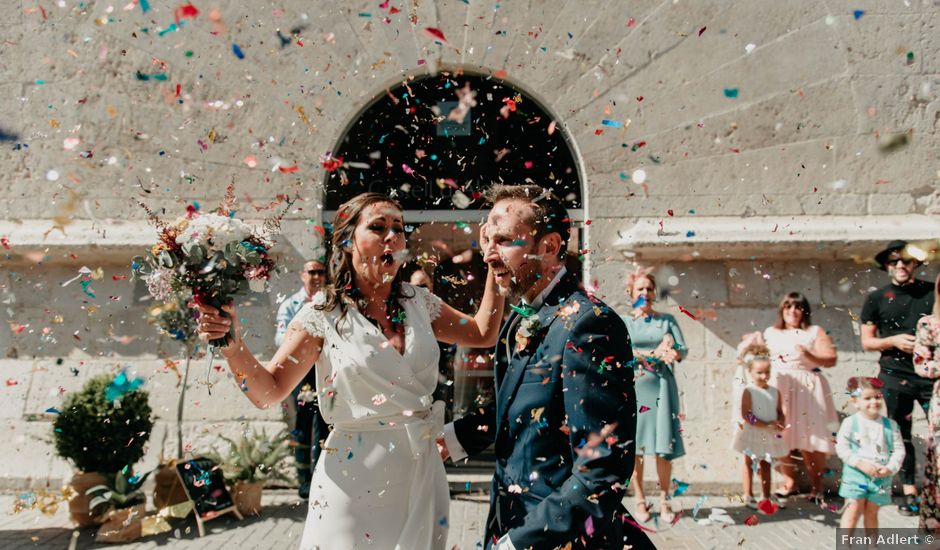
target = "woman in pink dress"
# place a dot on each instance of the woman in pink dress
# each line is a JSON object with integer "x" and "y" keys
{"x": 799, "y": 350}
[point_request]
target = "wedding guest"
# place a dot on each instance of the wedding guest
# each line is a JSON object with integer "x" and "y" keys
{"x": 761, "y": 420}
{"x": 309, "y": 428}
{"x": 927, "y": 364}
{"x": 889, "y": 319}
{"x": 658, "y": 347}
{"x": 799, "y": 350}
{"x": 871, "y": 449}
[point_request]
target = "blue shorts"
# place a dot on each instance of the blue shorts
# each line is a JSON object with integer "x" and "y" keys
{"x": 858, "y": 485}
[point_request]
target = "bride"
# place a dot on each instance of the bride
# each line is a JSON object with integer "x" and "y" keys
{"x": 371, "y": 338}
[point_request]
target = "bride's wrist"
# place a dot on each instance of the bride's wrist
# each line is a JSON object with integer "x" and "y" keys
{"x": 232, "y": 349}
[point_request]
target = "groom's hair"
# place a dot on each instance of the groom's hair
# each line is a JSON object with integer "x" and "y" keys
{"x": 546, "y": 213}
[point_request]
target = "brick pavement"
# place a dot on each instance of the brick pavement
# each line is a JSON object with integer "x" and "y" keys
{"x": 802, "y": 525}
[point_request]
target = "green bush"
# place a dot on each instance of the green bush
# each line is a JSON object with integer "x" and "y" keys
{"x": 98, "y": 436}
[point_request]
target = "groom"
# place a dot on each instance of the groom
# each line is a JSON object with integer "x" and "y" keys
{"x": 564, "y": 419}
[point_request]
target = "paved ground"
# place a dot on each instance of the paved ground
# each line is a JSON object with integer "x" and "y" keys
{"x": 802, "y": 525}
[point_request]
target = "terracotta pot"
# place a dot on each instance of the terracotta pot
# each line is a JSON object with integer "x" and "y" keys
{"x": 169, "y": 488}
{"x": 247, "y": 497}
{"x": 123, "y": 525}
{"x": 79, "y": 505}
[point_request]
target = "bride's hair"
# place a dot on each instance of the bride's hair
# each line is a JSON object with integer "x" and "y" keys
{"x": 341, "y": 290}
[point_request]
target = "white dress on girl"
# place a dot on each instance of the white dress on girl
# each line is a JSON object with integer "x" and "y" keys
{"x": 380, "y": 482}
{"x": 760, "y": 443}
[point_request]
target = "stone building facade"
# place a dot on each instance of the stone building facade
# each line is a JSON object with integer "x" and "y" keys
{"x": 745, "y": 149}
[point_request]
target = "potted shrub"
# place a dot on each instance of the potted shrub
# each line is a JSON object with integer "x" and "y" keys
{"x": 249, "y": 462}
{"x": 124, "y": 503}
{"x": 102, "y": 430}
{"x": 175, "y": 320}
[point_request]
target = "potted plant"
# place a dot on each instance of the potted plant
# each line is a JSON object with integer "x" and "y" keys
{"x": 123, "y": 503}
{"x": 175, "y": 320}
{"x": 249, "y": 462}
{"x": 101, "y": 429}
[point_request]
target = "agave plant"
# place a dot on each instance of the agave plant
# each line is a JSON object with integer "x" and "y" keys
{"x": 122, "y": 491}
{"x": 254, "y": 457}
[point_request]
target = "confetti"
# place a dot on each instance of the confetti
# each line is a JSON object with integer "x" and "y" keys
{"x": 857, "y": 14}
{"x": 679, "y": 487}
{"x": 122, "y": 385}
{"x": 731, "y": 93}
{"x": 236, "y": 49}
{"x": 687, "y": 312}
{"x": 436, "y": 34}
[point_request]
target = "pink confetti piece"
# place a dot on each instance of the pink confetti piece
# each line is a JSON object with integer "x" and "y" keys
{"x": 436, "y": 34}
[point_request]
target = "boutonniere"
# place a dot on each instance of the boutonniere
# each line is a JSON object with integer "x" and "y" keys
{"x": 528, "y": 326}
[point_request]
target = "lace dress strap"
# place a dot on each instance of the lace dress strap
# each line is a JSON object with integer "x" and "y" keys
{"x": 431, "y": 302}
{"x": 313, "y": 320}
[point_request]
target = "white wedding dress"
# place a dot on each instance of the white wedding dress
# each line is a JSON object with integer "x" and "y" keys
{"x": 380, "y": 482}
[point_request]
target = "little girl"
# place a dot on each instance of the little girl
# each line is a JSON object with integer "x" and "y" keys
{"x": 872, "y": 451}
{"x": 758, "y": 436}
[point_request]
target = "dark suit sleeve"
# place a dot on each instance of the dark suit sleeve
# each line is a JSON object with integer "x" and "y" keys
{"x": 597, "y": 377}
{"x": 477, "y": 429}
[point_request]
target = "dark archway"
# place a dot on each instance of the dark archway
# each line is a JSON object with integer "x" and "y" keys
{"x": 404, "y": 144}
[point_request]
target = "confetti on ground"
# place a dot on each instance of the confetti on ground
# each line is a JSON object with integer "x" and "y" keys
{"x": 236, "y": 49}
{"x": 731, "y": 93}
{"x": 680, "y": 487}
{"x": 857, "y": 14}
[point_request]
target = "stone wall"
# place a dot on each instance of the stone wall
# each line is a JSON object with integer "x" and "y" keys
{"x": 775, "y": 109}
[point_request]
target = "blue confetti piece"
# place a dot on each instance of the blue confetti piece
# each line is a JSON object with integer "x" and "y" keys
{"x": 53, "y": 410}
{"x": 731, "y": 93}
{"x": 122, "y": 385}
{"x": 611, "y": 123}
{"x": 857, "y": 14}
{"x": 171, "y": 28}
{"x": 690, "y": 234}
{"x": 640, "y": 302}
{"x": 145, "y": 5}
{"x": 349, "y": 456}
{"x": 238, "y": 51}
{"x": 681, "y": 487}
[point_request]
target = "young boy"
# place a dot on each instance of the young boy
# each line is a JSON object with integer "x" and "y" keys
{"x": 872, "y": 450}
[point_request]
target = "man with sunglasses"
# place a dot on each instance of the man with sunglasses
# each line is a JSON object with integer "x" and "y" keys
{"x": 310, "y": 428}
{"x": 889, "y": 318}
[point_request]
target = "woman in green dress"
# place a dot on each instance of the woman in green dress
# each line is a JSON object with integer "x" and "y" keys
{"x": 658, "y": 346}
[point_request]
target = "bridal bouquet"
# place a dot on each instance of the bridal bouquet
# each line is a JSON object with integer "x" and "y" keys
{"x": 207, "y": 257}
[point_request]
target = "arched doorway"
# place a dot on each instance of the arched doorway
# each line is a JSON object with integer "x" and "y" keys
{"x": 436, "y": 143}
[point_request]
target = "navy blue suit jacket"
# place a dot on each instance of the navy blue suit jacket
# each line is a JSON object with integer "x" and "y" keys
{"x": 560, "y": 477}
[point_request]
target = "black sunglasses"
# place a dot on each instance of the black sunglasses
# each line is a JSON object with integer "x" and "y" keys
{"x": 895, "y": 260}
{"x": 320, "y": 272}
